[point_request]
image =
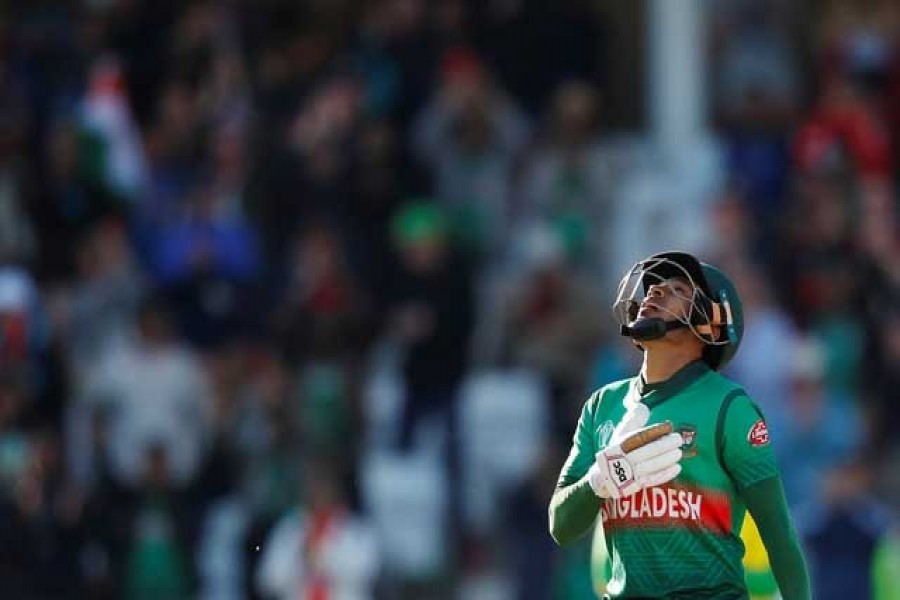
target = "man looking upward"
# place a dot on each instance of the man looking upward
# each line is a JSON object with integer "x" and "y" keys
{"x": 672, "y": 510}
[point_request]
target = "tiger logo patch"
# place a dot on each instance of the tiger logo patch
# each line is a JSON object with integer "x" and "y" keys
{"x": 689, "y": 437}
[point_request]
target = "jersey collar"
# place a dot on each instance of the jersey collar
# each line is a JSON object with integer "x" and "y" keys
{"x": 652, "y": 394}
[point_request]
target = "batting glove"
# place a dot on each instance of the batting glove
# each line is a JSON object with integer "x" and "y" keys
{"x": 637, "y": 457}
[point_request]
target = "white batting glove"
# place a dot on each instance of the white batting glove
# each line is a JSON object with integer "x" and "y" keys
{"x": 617, "y": 473}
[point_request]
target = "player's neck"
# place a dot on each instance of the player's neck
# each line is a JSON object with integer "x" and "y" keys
{"x": 659, "y": 366}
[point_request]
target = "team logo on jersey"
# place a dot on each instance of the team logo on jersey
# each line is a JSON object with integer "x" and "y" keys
{"x": 689, "y": 435}
{"x": 758, "y": 434}
{"x": 605, "y": 433}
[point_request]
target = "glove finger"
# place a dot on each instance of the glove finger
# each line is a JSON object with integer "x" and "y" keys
{"x": 655, "y": 448}
{"x": 636, "y": 417}
{"x": 661, "y": 477}
{"x": 657, "y": 463}
{"x": 631, "y": 489}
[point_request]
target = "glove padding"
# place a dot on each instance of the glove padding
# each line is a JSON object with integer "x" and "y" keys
{"x": 638, "y": 456}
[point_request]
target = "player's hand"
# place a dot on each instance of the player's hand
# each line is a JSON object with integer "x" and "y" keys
{"x": 638, "y": 456}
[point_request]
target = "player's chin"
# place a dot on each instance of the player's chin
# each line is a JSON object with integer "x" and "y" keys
{"x": 658, "y": 342}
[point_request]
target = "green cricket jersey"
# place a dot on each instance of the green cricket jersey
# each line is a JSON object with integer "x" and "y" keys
{"x": 681, "y": 539}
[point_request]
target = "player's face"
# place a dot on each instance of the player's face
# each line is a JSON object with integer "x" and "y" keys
{"x": 669, "y": 299}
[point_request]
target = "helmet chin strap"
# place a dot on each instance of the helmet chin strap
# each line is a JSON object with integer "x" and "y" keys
{"x": 653, "y": 328}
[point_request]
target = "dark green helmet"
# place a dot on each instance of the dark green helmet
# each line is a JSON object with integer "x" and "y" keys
{"x": 716, "y": 316}
{"x": 721, "y": 288}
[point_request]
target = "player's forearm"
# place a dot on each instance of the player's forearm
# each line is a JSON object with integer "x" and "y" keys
{"x": 767, "y": 504}
{"x": 573, "y": 509}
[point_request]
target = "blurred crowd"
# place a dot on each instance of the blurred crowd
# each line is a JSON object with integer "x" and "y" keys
{"x": 302, "y": 299}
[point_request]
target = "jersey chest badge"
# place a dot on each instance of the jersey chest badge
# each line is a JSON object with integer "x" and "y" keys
{"x": 689, "y": 435}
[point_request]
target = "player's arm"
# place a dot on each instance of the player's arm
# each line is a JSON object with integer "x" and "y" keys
{"x": 747, "y": 456}
{"x": 574, "y": 505}
{"x": 766, "y": 502}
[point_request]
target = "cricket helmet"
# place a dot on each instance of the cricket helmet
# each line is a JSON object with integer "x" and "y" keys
{"x": 715, "y": 316}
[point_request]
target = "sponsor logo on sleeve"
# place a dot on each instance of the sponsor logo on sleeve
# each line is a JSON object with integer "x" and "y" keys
{"x": 758, "y": 434}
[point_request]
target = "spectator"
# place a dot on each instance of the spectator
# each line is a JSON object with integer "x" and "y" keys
{"x": 323, "y": 549}
{"x": 572, "y": 177}
{"x": 432, "y": 315}
{"x": 267, "y": 436}
{"x": 41, "y": 540}
{"x": 208, "y": 262}
{"x": 382, "y": 174}
{"x": 530, "y": 550}
{"x": 549, "y": 321}
{"x": 99, "y": 309}
{"x": 735, "y": 230}
{"x": 766, "y": 364}
{"x": 844, "y": 535}
{"x": 756, "y": 92}
{"x": 821, "y": 428}
{"x": 324, "y": 308}
{"x": 153, "y": 390}
{"x": 25, "y": 344}
{"x": 158, "y": 556}
{"x": 471, "y": 134}
{"x": 844, "y": 128}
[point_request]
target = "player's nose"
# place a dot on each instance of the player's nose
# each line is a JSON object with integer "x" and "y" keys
{"x": 655, "y": 291}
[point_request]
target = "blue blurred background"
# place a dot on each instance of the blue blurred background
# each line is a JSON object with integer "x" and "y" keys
{"x": 302, "y": 299}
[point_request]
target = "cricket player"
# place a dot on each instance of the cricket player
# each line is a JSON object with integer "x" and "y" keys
{"x": 672, "y": 510}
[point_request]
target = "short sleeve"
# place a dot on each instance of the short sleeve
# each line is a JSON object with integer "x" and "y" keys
{"x": 745, "y": 447}
{"x": 581, "y": 455}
